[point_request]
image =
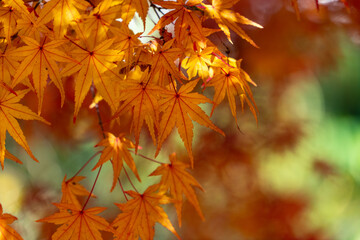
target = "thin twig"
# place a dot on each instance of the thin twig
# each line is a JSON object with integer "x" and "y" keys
{"x": 122, "y": 189}
{"x": 156, "y": 8}
{"x": 143, "y": 156}
{"x": 92, "y": 189}
{"x": 82, "y": 168}
{"x": 76, "y": 44}
{"x": 92, "y": 89}
{"x": 102, "y": 130}
{"x": 127, "y": 175}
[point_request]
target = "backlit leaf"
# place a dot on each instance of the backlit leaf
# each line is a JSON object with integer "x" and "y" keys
{"x": 77, "y": 224}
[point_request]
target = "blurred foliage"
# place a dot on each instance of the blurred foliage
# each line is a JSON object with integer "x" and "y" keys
{"x": 295, "y": 176}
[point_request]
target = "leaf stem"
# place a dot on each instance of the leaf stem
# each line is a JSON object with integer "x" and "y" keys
{"x": 150, "y": 159}
{"x": 92, "y": 89}
{"x": 127, "y": 175}
{"x": 89, "y": 1}
{"x": 75, "y": 43}
{"x": 172, "y": 82}
{"x": 103, "y": 133}
{"x": 156, "y": 8}
{"x": 122, "y": 189}
{"x": 5, "y": 48}
{"x": 82, "y": 168}
{"x": 92, "y": 189}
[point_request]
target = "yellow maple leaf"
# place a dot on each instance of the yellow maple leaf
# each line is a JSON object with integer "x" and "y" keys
{"x": 198, "y": 62}
{"x": 62, "y": 12}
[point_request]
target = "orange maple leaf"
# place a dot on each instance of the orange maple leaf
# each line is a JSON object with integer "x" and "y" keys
{"x": 77, "y": 224}
{"x": 126, "y": 41}
{"x": 21, "y": 8}
{"x": 10, "y": 109}
{"x": 40, "y": 60}
{"x": 116, "y": 148}
{"x": 175, "y": 177}
{"x": 232, "y": 81}
{"x": 12, "y": 157}
{"x": 100, "y": 18}
{"x": 7, "y": 232}
{"x": 27, "y": 27}
{"x": 71, "y": 189}
{"x": 163, "y": 64}
{"x": 9, "y": 17}
{"x": 8, "y": 65}
{"x": 94, "y": 63}
{"x": 179, "y": 109}
{"x": 183, "y": 14}
{"x": 140, "y": 214}
{"x": 226, "y": 18}
{"x": 130, "y": 6}
{"x": 142, "y": 98}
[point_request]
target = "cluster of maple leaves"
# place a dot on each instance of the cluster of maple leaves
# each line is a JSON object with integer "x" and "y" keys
{"x": 44, "y": 42}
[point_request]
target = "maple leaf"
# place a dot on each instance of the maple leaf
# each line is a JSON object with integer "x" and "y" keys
{"x": 198, "y": 62}
{"x": 163, "y": 62}
{"x": 71, "y": 189}
{"x": 232, "y": 81}
{"x": 130, "y": 6}
{"x": 77, "y": 224}
{"x": 11, "y": 157}
{"x": 7, "y": 232}
{"x": 40, "y": 60}
{"x": 179, "y": 109}
{"x": 94, "y": 63}
{"x": 10, "y": 109}
{"x": 175, "y": 177}
{"x": 183, "y": 14}
{"x": 9, "y": 17}
{"x": 27, "y": 27}
{"x": 116, "y": 148}
{"x": 62, "y": 12}
{"x": 226, "y": 18}
{"x": 126, "y": 41}
{"x": 8, "y": 65}
{"x": 142, "y": 98}
{"x": 20, "y": 7}
{"x": 140, "y": 214}
{"x": 99, "y": 20}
